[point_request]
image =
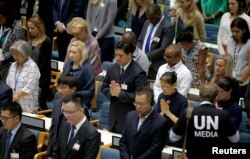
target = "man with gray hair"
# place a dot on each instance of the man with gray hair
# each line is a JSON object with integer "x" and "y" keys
{"x": 209, "y": 128}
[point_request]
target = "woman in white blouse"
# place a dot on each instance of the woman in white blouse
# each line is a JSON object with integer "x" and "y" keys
{"x": 23, "y": 77}
{"x": 236, "y": 8}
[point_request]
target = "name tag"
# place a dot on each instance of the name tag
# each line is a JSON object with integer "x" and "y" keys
{"x": 14, "y": 155}
{"x": 76, "y": 147}
{"x": 124, "y": 87}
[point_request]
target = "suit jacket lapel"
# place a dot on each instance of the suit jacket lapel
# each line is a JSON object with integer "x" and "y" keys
{"x": 147, "y": 122}
{"x": 76, "y": 138}
{"x": 158, "y": 35}
{"x": 65, "y": 137}
{"x": 16, "y": 138}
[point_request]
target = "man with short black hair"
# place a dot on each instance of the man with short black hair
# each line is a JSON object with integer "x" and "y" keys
{"x": 123, "y": 78}
{"x": 15, "y": 139}
{"x": 78, "y": 138}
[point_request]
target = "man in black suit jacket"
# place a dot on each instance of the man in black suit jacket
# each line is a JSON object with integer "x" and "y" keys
{"x": 66, "y": 85}
{"x": 120, "y": 83}
{"x": 63, "y": 12}
{"x": 145, "y": 130}
{"x": 78, "y": 139}
{"x": 162, "y": 35}
{"x": 6, "y": 94}
{"x": 22, "y": 142}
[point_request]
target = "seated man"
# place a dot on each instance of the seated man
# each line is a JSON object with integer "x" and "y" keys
{"x": 173, "y": 59}
{"x": 15, "y": 139}
{"x": 78, "y": 139}
{"x": 66, "y": 85}
{"x": 145, "y": 130}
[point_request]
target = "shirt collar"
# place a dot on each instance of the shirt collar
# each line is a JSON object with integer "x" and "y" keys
{"x": 205, "y": 102}
{"x": 14, "y": 131}
{"x": 175, "y": 66}
{"x": 80, "y": 123}
{"x": 126, "y": 66}
{"x": 145, "y": 117}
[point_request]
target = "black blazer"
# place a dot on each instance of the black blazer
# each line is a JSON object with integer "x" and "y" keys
{"x": 23, "y": 143}
{"x": 134, "y": 77}
{"x": 165, "y": 32}
{"x": 70, "y": 9}
{"x": 5, "y": 94}
{"x": 87, "y": 137}
{"x": 148, "y": 141}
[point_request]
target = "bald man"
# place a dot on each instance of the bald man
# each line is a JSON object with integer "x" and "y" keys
{"x": 173, "y": 59}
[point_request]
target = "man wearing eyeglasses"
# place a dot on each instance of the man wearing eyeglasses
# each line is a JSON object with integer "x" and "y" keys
{"x": 66, "y": 85}
{"x": 174, "y": 63}
{"x": 78, "y": 139}
{"x": 15, "y": 140}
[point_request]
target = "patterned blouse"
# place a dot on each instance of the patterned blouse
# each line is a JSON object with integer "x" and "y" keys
{"x": 26, "y": 80}
{"x": 191, "y": 60}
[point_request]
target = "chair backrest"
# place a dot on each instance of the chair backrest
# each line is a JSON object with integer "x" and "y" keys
{"x": 243, "y": 130}
{"x": 109, "y": 153}
{"x": 212, "y": 32}
{"x": 42, "y": 140}
{"x": 94, "y": 99}
{"x": 54, "y": 78}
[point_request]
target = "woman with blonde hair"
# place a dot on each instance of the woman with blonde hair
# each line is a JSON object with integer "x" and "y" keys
{"x": 78, "y": 65}
{"x": 41, "y": 55}
{"x": 187, "y": 15}
{"x": 138, "y": 15}
{"x": 223, "y": 67}
{"x": 78, "y": 27}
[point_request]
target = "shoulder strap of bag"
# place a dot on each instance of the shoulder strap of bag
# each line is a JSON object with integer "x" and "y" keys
{"x": 188, "y": 116}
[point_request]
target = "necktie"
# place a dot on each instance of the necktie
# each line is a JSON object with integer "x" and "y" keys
{"x": 7, "y": 145}
{"x": 72, "y": 134}
{"x": 122, "y": 71}
{"x": 147, "y": 46}
{"x": 141, "y": 120}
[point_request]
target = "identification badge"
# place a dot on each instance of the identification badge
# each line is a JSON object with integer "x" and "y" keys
{"x": 14, "y": 155}
{"x": 76, "y": 147}
{"x": 124, "y": 87}
{"x": 156, "y": 39}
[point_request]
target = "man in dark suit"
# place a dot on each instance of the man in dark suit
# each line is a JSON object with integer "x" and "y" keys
{"x": 63, "y": 12}
{"x": 6, "y": 93}
{"x": 78, "y": 139}
{"x": 120, "y": 83}
{"x": 145, "y": 130}
{"x": 15, "y": 139}
{"x": 66, "y": 85}
{"x": 157, "y": 33}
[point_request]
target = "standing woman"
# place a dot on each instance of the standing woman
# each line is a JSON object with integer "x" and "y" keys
{"x": 41, "y": 55}
{"x": 194, "y": 55}
{"x": 187, "y": 15}
{"x": 138, "y": 15}
{"x": 23, "y": 77}
{"x": 10, "y": 31}
{"x": 237, "y": 8}
{"x": 101, "y": 16}
{"x": 239, "y": 48}
{"x": 78, "y": 65}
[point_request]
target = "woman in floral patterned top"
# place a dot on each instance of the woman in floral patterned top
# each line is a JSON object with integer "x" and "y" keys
{"x": 194, "y": 55}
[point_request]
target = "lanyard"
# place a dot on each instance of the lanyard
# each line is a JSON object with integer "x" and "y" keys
{"x": 17, "y": 75}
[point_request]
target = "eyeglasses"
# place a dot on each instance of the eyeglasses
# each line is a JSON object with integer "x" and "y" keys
{"x": 61, "y": 88}
{"x": 141, "y": 104}
{"x": 69, "y": 113}
{"x": 6, "y": 118}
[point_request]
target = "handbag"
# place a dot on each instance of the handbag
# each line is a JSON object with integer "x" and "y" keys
{"x": 183, "y": 154}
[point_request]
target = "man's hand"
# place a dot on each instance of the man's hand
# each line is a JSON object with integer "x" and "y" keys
{"x": 60, "y": 27}
{"x": 115, "y": 88}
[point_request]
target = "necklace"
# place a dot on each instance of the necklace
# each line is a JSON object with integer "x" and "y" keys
{"x": 235, "y": 55}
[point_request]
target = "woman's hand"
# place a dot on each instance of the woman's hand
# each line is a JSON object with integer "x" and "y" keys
{"x": 165, "y": 106}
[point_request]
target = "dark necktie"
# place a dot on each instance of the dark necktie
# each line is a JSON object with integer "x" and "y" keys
{"x": 122, "y": 71}
{"x": 147, "y": 46}
{"x": 72, "y": 134}
{"x": 141, "y": 120}
{"x": 7, "y": 145}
